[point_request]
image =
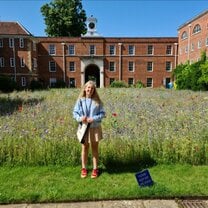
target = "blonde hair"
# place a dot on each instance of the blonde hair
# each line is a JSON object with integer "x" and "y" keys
{"x": 95, "y": 97}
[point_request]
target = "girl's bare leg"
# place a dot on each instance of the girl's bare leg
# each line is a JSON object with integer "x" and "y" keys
{"x": 84, "y": 154}
{"x": 94, "y": 146}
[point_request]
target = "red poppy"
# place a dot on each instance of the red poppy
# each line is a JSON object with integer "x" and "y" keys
{"x": 114, "y": 114}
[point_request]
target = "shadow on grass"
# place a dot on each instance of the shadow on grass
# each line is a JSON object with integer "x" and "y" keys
{"x": 9, "y": 105}
{"x": 132, "y": 166}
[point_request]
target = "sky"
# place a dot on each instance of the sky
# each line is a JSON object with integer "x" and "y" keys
{"x": 115, "y": 18}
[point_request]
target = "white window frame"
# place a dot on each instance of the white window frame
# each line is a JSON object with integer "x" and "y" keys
{"x": 150, "y": 49}
{"x": 35, "y": 63}
{"x": 12, "y": 62}
{"x": 52, "y": 65}
{"x": 131, "y": 66}
{"x": 131, "y": 50}
{"x": 11, "y": 42}
{"x": 112, "y": 50}
{"x": 21, "y": 43}
{"x": 23, "y": 81}
{"x": 52, "y": 49}
{"x": 168, "y": 66}
{"x": 72, "y": 66}
{"x": 52, "y": 82}
{"x": 151, "y": 83}
{"x": 206, "y": 41}
{"x": 199, "y": 44}
{"x": 150, "y": 65}
{"x": 1, "y": 43}
{"x": 130, "y": 81}
{"x": 184, "y": 35}
{"x": 92, "y": 50}
{"x": 169, "y": 50}
{"x": 2, "y": 64}
{"x": 192, "y": 46}
{"x": 197, "y": 29}
{"x": 112, "y": 66}
{"x": 71, "y": 50}
{"x": 22, "y": 62}
{"x": 72, "y": 80}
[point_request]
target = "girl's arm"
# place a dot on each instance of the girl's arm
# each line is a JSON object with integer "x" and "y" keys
{"x": 99, "y": 115}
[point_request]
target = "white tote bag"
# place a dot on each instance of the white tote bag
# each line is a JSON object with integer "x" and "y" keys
{"x": 81, "y": 131}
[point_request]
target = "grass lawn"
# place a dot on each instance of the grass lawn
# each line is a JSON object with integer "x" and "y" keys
{"x": 58, "y": 184}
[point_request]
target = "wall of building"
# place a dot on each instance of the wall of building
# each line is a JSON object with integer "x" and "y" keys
{"x": 191, "y": 46}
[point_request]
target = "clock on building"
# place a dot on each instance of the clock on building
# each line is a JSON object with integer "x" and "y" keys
{"x": 91, "y": 25}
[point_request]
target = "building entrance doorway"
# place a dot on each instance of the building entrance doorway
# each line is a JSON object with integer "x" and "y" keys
{"x": 92, "y": 72}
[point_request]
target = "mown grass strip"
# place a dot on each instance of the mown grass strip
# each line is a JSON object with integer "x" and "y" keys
{"x": 58, "y": 184}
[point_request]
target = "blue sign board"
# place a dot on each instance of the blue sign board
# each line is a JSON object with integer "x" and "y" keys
{"x": 144, "y": 178}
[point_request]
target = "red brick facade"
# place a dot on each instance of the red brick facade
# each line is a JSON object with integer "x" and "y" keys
{"x": 193, "y": 38}
{"x": 106, "y": 67}
{"x": 76, "y": 60}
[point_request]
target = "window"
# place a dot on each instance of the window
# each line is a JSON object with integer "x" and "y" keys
{"x": 35, "y": 65}
{"x": 150, "y": 50}
{"x": 168, "y": 50}
{"x": 21, "y": 43}
{"x": 112, "y": 50}
{"x": 71, "y": 50}
{"x": 34, "y": 46}
{"x": 149, "y": 66}
{"x": 22, "y": 62}
{"x": 2, "y": 62}
{"x": 186, "y": 49}
{"x": 12, "y": 62}
{"x": 11, "y": 42}
{"x": 131, "y": 50}
{"x": 52, "y": 82}
{"x": 192, "y": 47}
{"x": 206, "y": 42}
{"x": 52, "y": 66}
{"x": 197, "y": 29}
{"x": 130, "y": 81}
{"x": 112, "y": 80}
{"x": 72, "y": 82}
{"x": 184, "y": 35}
{"x": 199, "y": 44}
{"x": 71, "y": 66}
{"x": 52, "y": 49}
{"x": 23, "y": 81}
{"x": 149, "y": 82}
{"x": 168, "y": 66}
{"x": 92, "y": 50}
{"x": 112, "y": 66}
{"x": 1, "y": 43}
{"x": 131, "y": 66}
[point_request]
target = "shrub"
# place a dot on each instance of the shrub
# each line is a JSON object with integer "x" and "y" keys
{"x": 7, "y": 84}
{"x": 118, "y": 84}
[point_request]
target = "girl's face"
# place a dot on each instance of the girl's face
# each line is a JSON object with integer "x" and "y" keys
{"x": 89, "y": 89}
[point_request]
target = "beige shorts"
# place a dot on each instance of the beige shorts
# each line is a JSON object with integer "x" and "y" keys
{"x": 94, "y": 134}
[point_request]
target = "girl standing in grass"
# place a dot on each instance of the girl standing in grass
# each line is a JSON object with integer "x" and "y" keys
{"x": 89, "y": 109}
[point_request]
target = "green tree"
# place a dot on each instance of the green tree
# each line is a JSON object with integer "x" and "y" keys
{"x": 192, "y": 76}
{"x": 64, "y": 18}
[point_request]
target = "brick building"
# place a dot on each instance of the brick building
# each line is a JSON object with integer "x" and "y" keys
{"x": 193, "y": 38}
{"x": 18, "y": 55}
{"x": 76, "y": 60}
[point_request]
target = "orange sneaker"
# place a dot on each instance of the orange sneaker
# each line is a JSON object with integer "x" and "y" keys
{"x": 95, "y": 173}
{"x": 83, "y": 173}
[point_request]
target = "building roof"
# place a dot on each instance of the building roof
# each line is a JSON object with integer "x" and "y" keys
{"x": 13, "y": 28}
{"x": 193, "y": 19}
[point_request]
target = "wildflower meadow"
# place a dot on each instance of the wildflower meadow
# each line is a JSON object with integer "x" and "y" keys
{"x": 142, "y": 126}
